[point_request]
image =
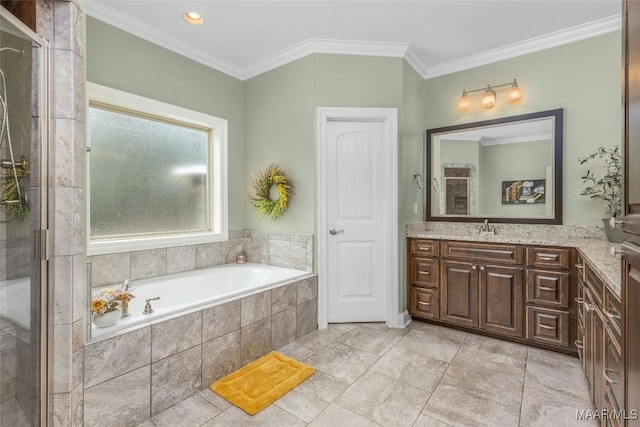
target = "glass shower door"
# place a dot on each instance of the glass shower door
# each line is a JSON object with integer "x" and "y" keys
{"x": 23, "y": 219}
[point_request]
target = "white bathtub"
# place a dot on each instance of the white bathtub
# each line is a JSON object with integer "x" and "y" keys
{"x": 182, "y": 292}
{"x": 15, "y": 301}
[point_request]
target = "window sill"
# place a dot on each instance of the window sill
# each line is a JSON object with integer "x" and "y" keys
{"x": 155, "y": 242}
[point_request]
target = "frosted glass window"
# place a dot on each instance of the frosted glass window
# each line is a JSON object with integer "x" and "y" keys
{"x": 156, "y": 175}
{"x": 148, "y": 176}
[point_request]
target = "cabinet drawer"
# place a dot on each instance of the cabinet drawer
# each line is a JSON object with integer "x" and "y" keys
{"x": 548, "y": 288}
{"x": 549, "y": 326}
{"x": 423, "y": 247}
{"x": 549, "y": 257}
{"x": 613, "y": 368}
{"x": 424, "y": 303}
{"x": 505, "y": 254}
{"x": 424, "y": 272}
{"x": 613, "y": 313}
{"x": 595, "y": 283}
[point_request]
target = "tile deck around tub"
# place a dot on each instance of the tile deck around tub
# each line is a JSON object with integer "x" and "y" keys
{"x": 426, "y": 375}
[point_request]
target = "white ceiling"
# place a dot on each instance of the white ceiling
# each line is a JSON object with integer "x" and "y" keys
{"x": 244, "y": 38}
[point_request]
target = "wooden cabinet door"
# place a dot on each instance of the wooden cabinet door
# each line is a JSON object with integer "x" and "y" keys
{"x": 459, "y": 298}
{"x": 631, "y": 298}
{"x": 501, "y": 300}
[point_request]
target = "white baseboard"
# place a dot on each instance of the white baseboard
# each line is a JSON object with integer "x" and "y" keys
{"x": 402, "y": 320}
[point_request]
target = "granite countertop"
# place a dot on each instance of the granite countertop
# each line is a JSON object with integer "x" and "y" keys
{"x": 594, "y": 250}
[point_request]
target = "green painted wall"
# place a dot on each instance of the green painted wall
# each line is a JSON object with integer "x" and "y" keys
{"x": 123, "y": 61}
{"x": 280, "y": 128}
{"x": 581, "y": 77}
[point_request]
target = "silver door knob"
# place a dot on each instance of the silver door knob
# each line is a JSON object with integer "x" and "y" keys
{"x": 333, "y": 231}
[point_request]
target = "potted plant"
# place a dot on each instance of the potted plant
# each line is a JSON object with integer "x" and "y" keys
{"x": 106, "y": 306}
{"x": 607, "y": 187}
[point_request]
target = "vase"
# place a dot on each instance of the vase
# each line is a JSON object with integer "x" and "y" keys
{"x": 107, "y": 319}
{"x": 613, "y": 234}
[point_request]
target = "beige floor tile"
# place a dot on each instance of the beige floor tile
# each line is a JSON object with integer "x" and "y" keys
{"x": 437, "y": 346}
{"x": 190, "y": 412}
{"x": 337, "y": 416}
{"x": 320, "y": 338}
{"x": 542, "y": 408}
{"x": 311, "y": 397}
{"x": 296, "y": 350}
{"x": 215, "y": 399}
{"x": 412, "y": 368}
{"x": 384, "y": 400}
{"x": 483, "y": 378}
{"x": 272, "y": 416}
{"x": 425, "y": 421}
{"x": 548, "y": 371}
{"x": 491, "y": 351}
{"x": 458, "y": 407}
{"x": 342, "y": 362}
{"x": 376, "y": 341}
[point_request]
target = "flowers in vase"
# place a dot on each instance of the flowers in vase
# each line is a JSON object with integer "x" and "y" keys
{"x": 107, "y": 300}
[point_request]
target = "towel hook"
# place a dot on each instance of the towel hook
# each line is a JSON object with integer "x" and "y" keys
{"x": 417, "y": 177}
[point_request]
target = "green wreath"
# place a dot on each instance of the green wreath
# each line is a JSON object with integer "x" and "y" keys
{"x": 259, "y": 192}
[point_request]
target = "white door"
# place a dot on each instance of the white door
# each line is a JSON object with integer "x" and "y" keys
{"x": 355, "y": 212}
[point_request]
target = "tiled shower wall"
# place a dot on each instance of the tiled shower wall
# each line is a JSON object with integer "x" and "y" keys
{"x": 282, "y": 250}
{"x": 136, "y": 375}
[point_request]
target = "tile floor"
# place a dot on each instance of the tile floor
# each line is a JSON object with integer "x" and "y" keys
{"x": 422, "y": 376}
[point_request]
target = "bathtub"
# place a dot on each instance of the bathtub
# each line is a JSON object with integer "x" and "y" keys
{"x": 15, "y": 301}
{"x": 198, "y": 289}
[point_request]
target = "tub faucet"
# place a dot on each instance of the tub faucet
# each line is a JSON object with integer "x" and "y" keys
{"x": 127, "y": 285}
{"x": 147, "y": 307}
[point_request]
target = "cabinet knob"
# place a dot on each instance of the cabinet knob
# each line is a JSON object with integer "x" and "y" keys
{"x": 613, "y": 222}
{"x": 613, "y": 251}
{"x": 482, "y": 267}
{"x": 474, "y": 267}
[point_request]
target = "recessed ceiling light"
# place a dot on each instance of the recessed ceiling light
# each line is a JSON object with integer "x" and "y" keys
{"x": 193, "y": 18}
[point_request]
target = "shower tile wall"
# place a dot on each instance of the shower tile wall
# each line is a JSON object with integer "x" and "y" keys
{"x": 62, "y": 23}
{"x": 282, "y": 250}
{"x": 154, "y": 367}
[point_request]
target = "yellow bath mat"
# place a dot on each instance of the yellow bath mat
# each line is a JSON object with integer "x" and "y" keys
{"x": 257, "y": 385}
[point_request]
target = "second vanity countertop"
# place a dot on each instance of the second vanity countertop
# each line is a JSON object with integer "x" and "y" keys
{"x": 594, "y": 250}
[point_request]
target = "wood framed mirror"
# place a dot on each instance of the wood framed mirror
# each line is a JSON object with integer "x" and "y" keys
{"x": 504, "y": 170}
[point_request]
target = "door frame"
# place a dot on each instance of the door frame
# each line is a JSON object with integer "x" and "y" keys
{"x": 389, "y": 116}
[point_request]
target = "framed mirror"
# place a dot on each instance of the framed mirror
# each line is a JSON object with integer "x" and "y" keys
{"x": 504, "y": 170}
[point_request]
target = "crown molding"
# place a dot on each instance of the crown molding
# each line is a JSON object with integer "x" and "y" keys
{"x": 336, "y": 47}
{"x": 99, "y": 10}
{"x": 558, "y": 38}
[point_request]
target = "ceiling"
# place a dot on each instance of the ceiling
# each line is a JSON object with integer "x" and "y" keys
{"x": 244, "y": 38}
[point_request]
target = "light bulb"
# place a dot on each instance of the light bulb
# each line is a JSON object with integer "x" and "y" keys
{"x": 193, "y": 18}
{"x": 488, "y": 98}
{"x": 464, "y": 103}
{"x": 515, "y": 94}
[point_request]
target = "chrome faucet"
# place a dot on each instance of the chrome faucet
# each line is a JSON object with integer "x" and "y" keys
{"x": 126, "y": 285}
{"x": 147, "y": 307}
{"x": 486, "y": 228}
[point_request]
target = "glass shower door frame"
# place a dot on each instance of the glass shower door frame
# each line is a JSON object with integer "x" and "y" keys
{"x": 41, "y": 241}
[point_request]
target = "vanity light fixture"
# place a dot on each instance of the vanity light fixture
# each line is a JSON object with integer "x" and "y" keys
{"x": 489, "y": 95}
{"x": 193, "y": 18}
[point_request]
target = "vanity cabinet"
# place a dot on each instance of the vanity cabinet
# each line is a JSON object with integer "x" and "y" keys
{"x": 512, "y": 291}
{"x": 600, "y": 342}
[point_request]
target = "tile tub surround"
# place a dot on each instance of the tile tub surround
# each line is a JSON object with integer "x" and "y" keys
{"x": 152, "y": 368}
{"x": 282, "y": 250}
{"x": 590, "y": 242}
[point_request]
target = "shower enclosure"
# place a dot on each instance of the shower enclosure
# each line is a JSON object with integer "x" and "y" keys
{"x": 24, "y": 124}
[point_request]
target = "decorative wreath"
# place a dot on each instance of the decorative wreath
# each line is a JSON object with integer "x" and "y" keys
{"x": 259, "y": 192}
